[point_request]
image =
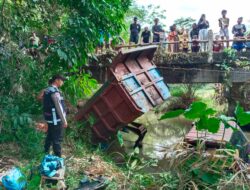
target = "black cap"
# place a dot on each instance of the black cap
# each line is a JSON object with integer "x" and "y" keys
{"x": 135, "y": 18}
{"x": 58, "y": 76}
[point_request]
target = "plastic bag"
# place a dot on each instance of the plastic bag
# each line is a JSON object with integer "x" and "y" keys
{"x": 14, "y": 180}
{"x": 50, "y": 165}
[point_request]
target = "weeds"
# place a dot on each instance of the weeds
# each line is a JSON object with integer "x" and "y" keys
{"x": 182, "y": 97}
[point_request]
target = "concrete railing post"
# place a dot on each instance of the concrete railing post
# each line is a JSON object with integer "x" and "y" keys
{"x": 210, "y": 46}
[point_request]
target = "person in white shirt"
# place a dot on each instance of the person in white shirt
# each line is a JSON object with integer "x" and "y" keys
{"x": 224, "y": 24}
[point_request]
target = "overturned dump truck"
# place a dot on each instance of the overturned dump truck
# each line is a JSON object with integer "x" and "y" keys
{"x": 134, "y": 87}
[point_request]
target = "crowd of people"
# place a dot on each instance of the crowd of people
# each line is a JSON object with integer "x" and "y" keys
{"x": 192, "y": 39}
{"x": 195, "y": 40}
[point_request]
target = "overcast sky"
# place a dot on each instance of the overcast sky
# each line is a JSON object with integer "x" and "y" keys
{"x": 194, "y": 8}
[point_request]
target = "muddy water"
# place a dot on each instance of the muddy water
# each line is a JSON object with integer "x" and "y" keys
{"x": 247, "y": 133}
{"x": 161, "y": 135}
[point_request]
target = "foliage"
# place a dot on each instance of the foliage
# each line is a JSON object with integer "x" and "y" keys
{"x": 170, "y": 180}
{"x": 20, "y": 82}
{"x": 75, "y": 28}
{"x": 153, "y": 12}
{"x": 120, "y": 138}
{"x": 215, "y": 169}
{"x": 182, "y": 96}
{"x": 185, "y": 90}
{"x": 199, "y": 112}
{"x": 204, "y": 119}
{"x": 230, "y": 57}
{"x": 184, "y": 22}
{"x": 79, "y": 86}
{"x": 172, "y": 114}
{"x": 145, "y": 14}
{"x": 138, "y": 178}
{"x": 135, "y": 11}
{"x": 242, "y": 117}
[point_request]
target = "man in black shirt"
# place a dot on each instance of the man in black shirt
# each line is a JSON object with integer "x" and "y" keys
{"x": 157, "y": 30}
{"x": 203, "y": 26}
{"x": 194, "y": 31}
{"x": 145, "y": 36}
{"x": 135, "y": 29}
{"x": 54, "y": 114}
{"x": 239, "y": 31}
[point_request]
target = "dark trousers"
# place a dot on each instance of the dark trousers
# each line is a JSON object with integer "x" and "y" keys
{"x": 195, "y": 48}
{"x": 134, "y": 38}
{"x": 185, "y": 50}
{"x": 54, "y": 138}
{"x": 156, "y": 39}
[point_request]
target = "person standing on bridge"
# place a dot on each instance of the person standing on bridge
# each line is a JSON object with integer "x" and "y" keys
{"x": 145, "y": 36}
{"x": 195, "y": 47}
{"x": 239, "y": 31}
{"x": 157, "y": 31}
{"x": 54, "y": 114}
{"x": 194, "y": 31}
{"x": 203, "y": 26}
{"x": 224, "y": 23}
{"x": 185, "y": 47}
{"x": 217, "y": 45}
{"x": 135, "y": 30}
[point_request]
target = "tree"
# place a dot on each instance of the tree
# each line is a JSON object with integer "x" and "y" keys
{"x": 184, "y": 22}
{"x": 76, "y": 27}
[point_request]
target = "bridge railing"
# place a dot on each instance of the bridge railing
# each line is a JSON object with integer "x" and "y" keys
{"x": 209, "y": 43}
{"x": 179, "y": 42}
{"x": 166, "y": 46}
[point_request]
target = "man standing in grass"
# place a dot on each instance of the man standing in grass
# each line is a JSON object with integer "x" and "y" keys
{"x": 224, "y": 23}
{"x": 54, "y": 114}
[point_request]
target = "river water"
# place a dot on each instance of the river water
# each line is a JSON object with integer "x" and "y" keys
{"x": 161, "y": 135}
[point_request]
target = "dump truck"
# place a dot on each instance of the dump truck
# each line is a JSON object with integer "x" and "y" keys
{"x": 134, "y": 87}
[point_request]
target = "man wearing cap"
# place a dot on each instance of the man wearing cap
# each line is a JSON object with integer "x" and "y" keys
{"x": 54, "y": 114}
{"x": 135, "y": 29}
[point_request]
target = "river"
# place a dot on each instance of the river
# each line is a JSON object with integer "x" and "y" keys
{"x": 161, "y": 135}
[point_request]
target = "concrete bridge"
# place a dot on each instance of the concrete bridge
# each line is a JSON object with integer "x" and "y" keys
{"x": 193, "y": 68}
{"x": 205, "y": 67}
{"x": 185, "y": 67}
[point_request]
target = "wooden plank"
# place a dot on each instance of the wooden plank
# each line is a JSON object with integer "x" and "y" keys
{"x": 216, "y": 139}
